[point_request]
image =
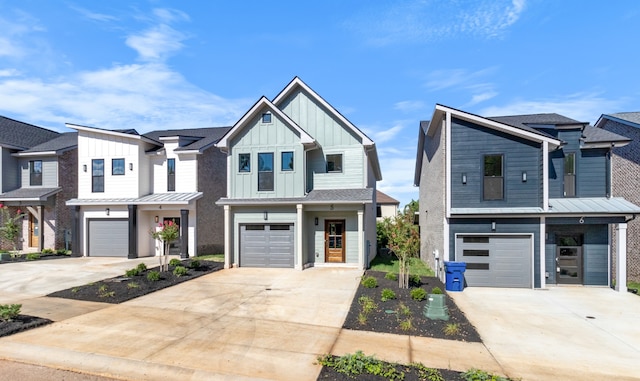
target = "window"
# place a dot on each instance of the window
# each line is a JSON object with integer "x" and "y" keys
{"x": 378, "y": 211}
{"x": 171, "y": 175}
{"x": 97, "y": 175}
{"x": 266, "y": 117}
{"x": 265, "y": 171}
{"x": 117, "y": 167}
{"x": 493, "y": 178}
{"x": 570, "y": 175}
{"x": 334, "y": 163}
{"x": 286, "y": 161}
{"x": 35, "y": 172}
{"x": 244, "y": 162}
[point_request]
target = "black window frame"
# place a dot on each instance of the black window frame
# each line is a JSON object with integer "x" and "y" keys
{"x": 35, "y": 178}
{"x": 491, "y": 181}
{"x": 171, "y": 175}
{"x": 290, "y": 167}
{"x": 569, "y": 178}
{"x": 242, "y": 168}
{"x": 331, "y": 164}
{"x": 266, "y": 118}
{"x": 97, "y": 178}
{"x": 113, "y": 167}
{"x": 265, "y": 173}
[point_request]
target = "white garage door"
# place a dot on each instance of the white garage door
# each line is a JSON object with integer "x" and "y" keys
{"x": 263, "y": 245}
{"x": 108, "y": 237}
{"x": 496, "y": 261}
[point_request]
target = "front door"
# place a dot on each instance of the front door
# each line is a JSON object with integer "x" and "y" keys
{"x": 34, "y": 231}
{"x": 175, "y": 246}
{"x": 334, "y": 241}
{"x": 569, "y": 265}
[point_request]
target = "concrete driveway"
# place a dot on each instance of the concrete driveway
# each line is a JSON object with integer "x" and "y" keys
{"x": 563, "y": 333}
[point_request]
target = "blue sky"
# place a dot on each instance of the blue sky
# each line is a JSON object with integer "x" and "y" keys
{"x": 383, "y": 64}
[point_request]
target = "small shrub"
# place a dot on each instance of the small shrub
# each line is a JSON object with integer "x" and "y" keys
{"x": 133, "y": 285}
{"x": 387, "y": 294}
{"x": 180, "y": 271}
{"x": 415, "y": 280}
{"x": 452, "y": 329}
{"x": 153, "y": 275}
{"x": 75, "y": 290}
{"x": 195, "y": 264}
{"x": 8, "y": 312}
{"x": 368, "y": 305}
{"x": 356, "y": 364}
{"x": 481, "y": 375}
{"x": 362, "y": 318}
{"x": 418, "y": 294}
{"x": 404, "y": 310}
{"x": 141, "y": 267}
{"x": 63, "y": 252}
{"x": 33, "y": 256}
{"x": 132, "y": 272}
{"x": 406, "y": 325}
{"x": 391, "y": 276}
{"x": 425, "y": 373}
{"x": 436, "y": 290}
{"x": 47, "y": 251}
{"x": 175, "y": 262}
{"x": 369, "y": 282}
{"x": 104, "y": 292}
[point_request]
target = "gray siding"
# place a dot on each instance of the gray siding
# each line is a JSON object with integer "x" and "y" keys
{"x": 511, "y": 225}
{"x": 49, "y": 171}
{"x": 10, "y": 171}
{"x": 353, "y": 168}
{"x": 470, "y": 143}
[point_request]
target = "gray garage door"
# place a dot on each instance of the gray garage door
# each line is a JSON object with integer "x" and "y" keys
{"x": 108, "y": 237}
{"x": 495, "y": 261}
{"x": 263, "y": 245}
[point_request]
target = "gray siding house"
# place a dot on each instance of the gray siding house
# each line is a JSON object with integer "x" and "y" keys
{"x": 38, "y": 175}
{"x": 524, "y": 200}
{"x": 625, "y": 178}
{"x": 301, "y": 185}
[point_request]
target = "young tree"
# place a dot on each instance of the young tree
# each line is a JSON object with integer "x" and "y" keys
{"x": 10, "y": 228}
{"x": 404, "y": 241}
{"x": 169, "y": 232}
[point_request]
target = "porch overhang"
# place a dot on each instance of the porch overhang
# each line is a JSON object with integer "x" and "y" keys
{"x": 28, "y": 196}
{"x": 150, "y": 199}
{"x": 315, "y": 197}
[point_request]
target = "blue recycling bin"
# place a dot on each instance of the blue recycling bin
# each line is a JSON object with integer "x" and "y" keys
{"x": 454, "y": 280}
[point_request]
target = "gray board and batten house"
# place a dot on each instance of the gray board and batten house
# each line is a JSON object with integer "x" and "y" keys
{"x": 524, "y": 200}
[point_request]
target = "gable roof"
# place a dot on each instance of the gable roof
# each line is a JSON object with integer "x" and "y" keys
{"x": 631, "y": 119}
{"x": 258, "y": 107}
{"x": 383, "y": 198}
{"x": 64, "y": 142}
{"x": 20, "y": 135}
{"x": 203, "y": 138}
{"x": 598, "y": 137}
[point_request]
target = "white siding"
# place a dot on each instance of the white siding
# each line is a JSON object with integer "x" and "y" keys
{"x": 186, "y": 170}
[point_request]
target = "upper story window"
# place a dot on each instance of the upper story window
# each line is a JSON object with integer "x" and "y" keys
{"x": 171, "y": 175}
{"x": 244, "y": 162}
{"x": 286, "y": 161}
{"x": 265, "y": 171}
{"x": 493, "y": 179}
{"x": 35, "y": 172}
{"x": 117, "y": 167}
{"x": 97, "y": 175}
{"x": 334, "y": 163}
{"x": 570, "y": 174}
{"x": 266, "y": 117}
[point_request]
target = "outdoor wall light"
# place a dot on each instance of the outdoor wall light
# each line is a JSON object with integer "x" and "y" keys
{"x": 315, "y": 221}
{"x": 464, "y": 178}
{"x": 266, "y": 215}
{"x": 131, "y": 166}
{"x": 157, "y": 219}
{"x": 84, "y": 167}
{"x": 493, "y": 226}
{"x": 524, "y": 176}
{"x": 107, "y": 211}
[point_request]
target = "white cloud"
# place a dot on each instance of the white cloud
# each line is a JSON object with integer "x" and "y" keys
{"x": 93, "y": 15}
{"x": 156, "y": 43}
{"x": 408, "y": 106}
{"x": 397, "y": 178}
{"x": 585, "y": 107}
{"x": 481, "y": 97}
{"x": 9, "y": 72}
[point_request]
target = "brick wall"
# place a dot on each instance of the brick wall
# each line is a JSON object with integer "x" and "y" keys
{"x": 625, "y": 182}
{"x": 212, "y": 182}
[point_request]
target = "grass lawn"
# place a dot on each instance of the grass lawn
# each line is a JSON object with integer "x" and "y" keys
{"x": 211, "y": 257}
{"x": 389, "y": 263}
{"x": 635, "y": 285}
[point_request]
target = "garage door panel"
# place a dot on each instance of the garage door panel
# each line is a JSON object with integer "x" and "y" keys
{"x": 267, "y": 246}
{"x": 108, "y": 237}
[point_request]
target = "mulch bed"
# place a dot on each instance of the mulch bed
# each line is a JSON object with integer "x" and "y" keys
{"x": 382, "y": 321}
{"x": 119, "y": 289}
{"x": 21, "y": 323}
{"x": 5, "y": 258}
{"x": 410, "y": 374}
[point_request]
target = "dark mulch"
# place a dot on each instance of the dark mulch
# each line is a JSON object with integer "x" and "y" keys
{"x": 21, "y": 323}
{"x": 382, "y": 321}
{"x": 6, "y": 258}
{"x": 410, "y": 374}
{"x": 118, "y": 289}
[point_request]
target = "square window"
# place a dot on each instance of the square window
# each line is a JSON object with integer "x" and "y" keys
{"x": 35, "y": 172}
{"x": 334, "y": 163}
{"x": 244, "y": 162}
{"x": 287, "y": 161}
{"x": 266, "y": 117}
{"x": 117, "y": 167}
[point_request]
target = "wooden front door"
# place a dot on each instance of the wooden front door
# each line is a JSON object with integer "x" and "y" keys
{"x": 34, "y": 231}
{"x": 334, "y": 241}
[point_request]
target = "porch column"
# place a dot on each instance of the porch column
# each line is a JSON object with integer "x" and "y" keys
{"x": 361, "y": 263}
{"x": 543, "y": 253}
{"x": 41, "y": 226}
{"x": 299, "y": 229}
{"x": 184, "y": 242}
{"x": 75, "y": 232}
{"x": 133, "y": 231}
{"x": 227, "y": 237}
{"x": 621, "y": 263}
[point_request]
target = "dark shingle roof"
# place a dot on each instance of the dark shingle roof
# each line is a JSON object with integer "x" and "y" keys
{"x": 24, "y": 194}
{"x": 633, "y": 117}
{"x": 599, "y": 135}
{"x": 523, "y": 121}
{"x": 203, "y": 137}
{"x": 63, "y": 142}
{"x": 23, "y": 135}
{"x": 383, "y": 198}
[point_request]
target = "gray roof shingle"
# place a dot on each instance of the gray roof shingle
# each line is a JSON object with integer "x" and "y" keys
{"x": 205, "y": 136}
{"x": 633, "y": 117}
{"x": 63, "y": 142}
{"x": 23, "y": 135}
{"x": 599, "y": 135}
{"x": 316, "y": 196}
{"x": 29, "y": 194}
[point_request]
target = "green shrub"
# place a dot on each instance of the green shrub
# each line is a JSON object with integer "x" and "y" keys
{"x": 418, "y": 294}
{"x": 387, "y": 294}
{"x": 362, "y": 318}
{"x": 415, "y": 280}
{"x": 425, "y": 373}
{"x": 132, "y": 272}
{"x": 63, "y": 252}
{"x": 175, "y": 262}
{"x": 368, "y": 305}
{"x": 104, "y": 292}
{"x": 369, "y": 282}
{"x": 481, "y": 375}
{"x": 180, "y": 271}
{"x": 8, "y": 312}
{"x": 391, "y": 276}
{"x": 403, "y": 310}
{"x": 436, "y": 290}
{"x": 33, "y": 256}
{"x": 452, "y": 329}
{"x": 133, "y": 285}
{"x": 153, "y": 275}
{"x": 47, "y": 251}
{"x": 356, "y": 364}
{"x": 194, "y": 264}
{"x": 141, "y": 267}
{"x": 406, "y": 325}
